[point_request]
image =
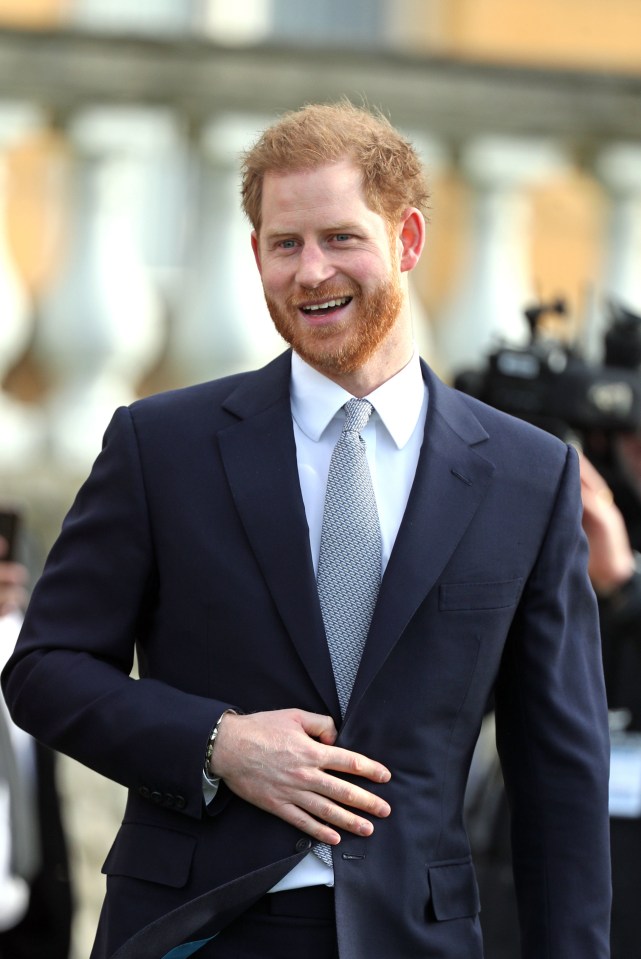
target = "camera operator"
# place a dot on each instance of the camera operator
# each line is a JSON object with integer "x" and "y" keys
{"x": 610, "y": 460}
{"x": 612, "y": 522}
{"x": 612, "y": 566}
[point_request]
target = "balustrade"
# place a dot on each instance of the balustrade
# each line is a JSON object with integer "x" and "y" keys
{"x": 495, "y": 283}
{"x": 157, "y": 278}
{"x": 221, "y": 324}
{"x": 20, "y": 426}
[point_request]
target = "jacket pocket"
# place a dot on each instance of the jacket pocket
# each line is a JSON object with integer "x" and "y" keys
{"x": 151, "y": 853}
{"x": 453, "y": 596}
{"x": 453, "y": 888}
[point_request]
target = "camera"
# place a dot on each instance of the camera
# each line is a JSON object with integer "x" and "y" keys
{"x": 550, "y": 384}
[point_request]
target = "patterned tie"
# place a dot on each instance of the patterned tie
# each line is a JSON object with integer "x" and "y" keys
{"x": 349, "y": 564}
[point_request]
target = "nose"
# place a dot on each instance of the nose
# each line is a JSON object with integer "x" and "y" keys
{"x": 313, "y": 267}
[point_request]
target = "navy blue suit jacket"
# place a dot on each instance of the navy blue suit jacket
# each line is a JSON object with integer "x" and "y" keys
{"x": 189, "y": 540}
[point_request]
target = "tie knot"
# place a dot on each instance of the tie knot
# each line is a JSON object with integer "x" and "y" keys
{"x": 357, "y": 413}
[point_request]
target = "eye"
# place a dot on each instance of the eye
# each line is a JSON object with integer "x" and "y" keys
{"x": 342, "y": 237}
{"x": 287, "y": 244}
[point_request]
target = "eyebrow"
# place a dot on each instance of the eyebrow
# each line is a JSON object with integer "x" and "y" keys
{"x": 343, "y": 228}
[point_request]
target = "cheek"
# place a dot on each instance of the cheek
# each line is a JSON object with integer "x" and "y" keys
{"x": 370, "y": 268}
{"x": 275, "y": 277}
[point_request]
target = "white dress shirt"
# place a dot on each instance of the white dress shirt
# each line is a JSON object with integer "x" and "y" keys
{"x": 393, "y": 438}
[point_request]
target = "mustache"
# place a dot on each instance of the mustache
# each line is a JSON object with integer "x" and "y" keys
{"x": 324, "y": 292}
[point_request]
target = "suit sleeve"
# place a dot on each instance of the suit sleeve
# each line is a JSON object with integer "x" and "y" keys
{"x": 552, "y": 736}
{"x": 69, "y": 680}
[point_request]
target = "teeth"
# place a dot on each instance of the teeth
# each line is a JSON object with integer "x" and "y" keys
{"x": 329, "y": 305}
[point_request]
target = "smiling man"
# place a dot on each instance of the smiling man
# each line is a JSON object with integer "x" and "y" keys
{"x": 327, "y": 567}
{"x": 331, "y": 268}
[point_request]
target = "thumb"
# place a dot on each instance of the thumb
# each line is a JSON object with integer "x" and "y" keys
{"x": 320, "y": 727}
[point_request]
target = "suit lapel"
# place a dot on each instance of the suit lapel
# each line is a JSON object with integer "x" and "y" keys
{"x": 450, "y": 483}
{"x": 259, "y": 456}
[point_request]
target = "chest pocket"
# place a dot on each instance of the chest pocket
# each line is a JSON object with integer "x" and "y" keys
{"x": 497, "y": 595}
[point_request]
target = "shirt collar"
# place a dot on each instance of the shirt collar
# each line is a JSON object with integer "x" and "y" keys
{"x": 398, "y": 402}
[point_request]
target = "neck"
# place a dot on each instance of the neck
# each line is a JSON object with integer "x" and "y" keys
{"x": 374, "y": 373}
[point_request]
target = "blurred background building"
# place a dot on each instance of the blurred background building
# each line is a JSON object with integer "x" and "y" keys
{"x": 125, "y": 265}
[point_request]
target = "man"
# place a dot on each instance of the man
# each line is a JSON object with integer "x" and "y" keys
{"x": 612, "y": 522}
{"x": 35, "y": 893}
{"x": 200, "y": 536}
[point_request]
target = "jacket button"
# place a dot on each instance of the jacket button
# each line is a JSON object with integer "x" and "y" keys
{"x": 168, "y": 800}
{"x": 144, "y": 792}
{"x": 179, "y": 802}
{"x": 156, "y": 797}
{"x": 303, "y": 844}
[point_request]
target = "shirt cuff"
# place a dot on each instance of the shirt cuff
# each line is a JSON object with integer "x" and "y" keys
{"x": 210, "y": 788}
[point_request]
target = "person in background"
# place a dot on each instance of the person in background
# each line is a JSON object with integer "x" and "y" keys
{"x": 35, "y": 891}
{"x": 610, "y": 468}
{"x": 326, "y": 567}
{"x": 612, "y": 521}
{"x": 616, "y": 578}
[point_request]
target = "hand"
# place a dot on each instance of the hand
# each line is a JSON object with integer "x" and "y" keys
{"x": 611, "y": 562}
{"x": 278, "y": 761}
{"x": 13, "y": 583}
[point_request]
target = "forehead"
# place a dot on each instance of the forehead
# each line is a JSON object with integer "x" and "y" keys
{"x": 319, "y": 193}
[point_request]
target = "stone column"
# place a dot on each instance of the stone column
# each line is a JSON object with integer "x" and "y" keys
{"x": 100, "y": 323}
{"x": 20, "y": 425}
{"x": 495, "y": 284}
{"x": 619, "y": 169}
{"x": 435, "y": 156}
{"x": 221, "y": 322}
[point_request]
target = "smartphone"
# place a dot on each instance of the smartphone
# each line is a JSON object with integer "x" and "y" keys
{"x": 9, "y": 523}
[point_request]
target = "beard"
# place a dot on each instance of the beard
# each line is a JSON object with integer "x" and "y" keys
{"x": 340, "y": 347}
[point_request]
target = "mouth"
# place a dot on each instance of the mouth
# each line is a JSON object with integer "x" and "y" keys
{"x": 326, "y": 307}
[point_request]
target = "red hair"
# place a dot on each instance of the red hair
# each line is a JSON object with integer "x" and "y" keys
{"x": 393, "y": 175}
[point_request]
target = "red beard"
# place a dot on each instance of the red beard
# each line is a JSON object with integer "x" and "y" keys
{"x": 340, "y": 347}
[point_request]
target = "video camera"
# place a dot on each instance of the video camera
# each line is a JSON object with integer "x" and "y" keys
{"x": 550, "y": 384}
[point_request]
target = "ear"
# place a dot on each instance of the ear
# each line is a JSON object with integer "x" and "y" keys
{"x": 256, "y": 251}
{"x": 411, "y": 233}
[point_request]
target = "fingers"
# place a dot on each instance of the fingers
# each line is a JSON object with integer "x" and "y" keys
{"x": 283, "y": 761}
{"x": 321, "y": 817}
{"x": 355, "y": 764}
{"x": 12, "y": 599}
{"x": 593, "y": 483}
{"x": 611, "y": 560}
{"x": 316, "y": 812}
{"x": 341, "y": 760}
{"x": 306, "y": 823}
{"x": 13, "y": 593}
{"x": 13, "y": 574}
{"x": 338, "y": 802}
